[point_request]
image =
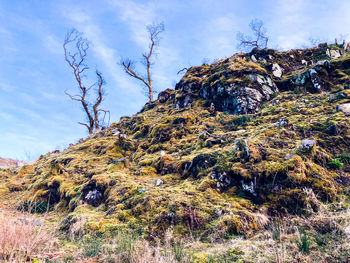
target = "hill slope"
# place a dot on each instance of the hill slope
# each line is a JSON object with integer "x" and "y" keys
{"x": 238, "y": 145}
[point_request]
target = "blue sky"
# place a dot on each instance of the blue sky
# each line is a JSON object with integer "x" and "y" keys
{"x": 35, "y": 114}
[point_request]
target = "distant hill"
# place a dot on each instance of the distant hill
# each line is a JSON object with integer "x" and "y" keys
{"x": 10, "y": 163}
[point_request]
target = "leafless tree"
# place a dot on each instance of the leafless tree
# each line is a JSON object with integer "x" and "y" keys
{"x": 75, "y": 52}
{"x": 257, "y": 40}
{"x": 154, "y": 31}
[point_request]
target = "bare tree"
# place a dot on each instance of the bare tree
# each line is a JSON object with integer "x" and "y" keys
{"x": 257, "y": 40}
{"x": 154, "y": 31}
{"x": 75, "y": 52}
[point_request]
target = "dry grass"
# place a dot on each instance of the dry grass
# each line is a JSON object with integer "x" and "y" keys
{"x": 22, "y": 238}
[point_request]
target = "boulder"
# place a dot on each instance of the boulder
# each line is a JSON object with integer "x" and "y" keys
{"x": 345, "y": 108}
{"x": 277, "y": 70}
{"x": 333, "y": 53}
{"x": 94, "y": 197}
{"x": 159, "y": 182}
{"x": 307, "y": 146}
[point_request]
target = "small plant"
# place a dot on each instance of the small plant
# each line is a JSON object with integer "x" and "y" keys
{"x": 178, "y": 250}
{"x": 344, "y": 157}
{"x": 304, "y": 244}
{"x": 336, "y": 164}
{"x": 92, "y": 247}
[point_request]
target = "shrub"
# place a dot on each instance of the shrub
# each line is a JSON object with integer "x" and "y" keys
{"x": 344, "y": 157}
{"x": 335, "y": 164}
{"x": 22, "y": 238}
{"x": 304, "y": 244}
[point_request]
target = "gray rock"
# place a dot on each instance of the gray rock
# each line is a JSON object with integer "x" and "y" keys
{"x": 306, "y": 146}
{"x": 289, "y": 156}
{"x": 142, "y": 190}
{"x": 94, "y": 197}
{"x": 277, "y": 71}
{"x": 254, "y": 58}
{"x": 250, "y": 188}
{"x": 162, "y": 153}
{"x": 324, "y": 63}
{"x": 118, "y": 160}
{"x": 345, "y": 108}
{"x": 159, "y": 182}
{"x": 282, "y": 122}
{"x": 333, "y": 53}
{"x": 314, "y": 78}
{"x": 346, "y": 47}
{"x": 224, "y": 180}
{"x": 115, "y": 132}
{"x": 236, "y": 97}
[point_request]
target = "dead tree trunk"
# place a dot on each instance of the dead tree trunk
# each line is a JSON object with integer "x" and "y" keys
{"x": 153, "y": 30}
{"x": 75, "y": 41}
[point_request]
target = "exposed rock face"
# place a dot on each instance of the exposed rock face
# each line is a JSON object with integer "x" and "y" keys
{"x": 240, "y": 87}
{"x": 240, "y": 99}
{"x": 241, "y": 83}
{"x": 165, "y": 95}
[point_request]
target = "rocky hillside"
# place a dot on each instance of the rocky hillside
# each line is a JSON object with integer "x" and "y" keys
{"x": 238, "y": 144}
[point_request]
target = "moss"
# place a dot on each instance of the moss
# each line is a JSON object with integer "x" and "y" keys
{"x": 148, "y": 170}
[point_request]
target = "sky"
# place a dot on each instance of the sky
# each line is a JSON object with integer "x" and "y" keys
{"x": 35, "y": 114}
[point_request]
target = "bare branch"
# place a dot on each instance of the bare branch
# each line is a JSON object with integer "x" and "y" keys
{"x": 84, "y": 124}
{"x": 258, "y": 40}
{"x": 154, "y": 30}
{"x": 181, "y": 70}
{"x": 73, "y": 97}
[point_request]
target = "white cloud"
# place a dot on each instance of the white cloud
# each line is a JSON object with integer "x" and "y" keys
{"x": 7, "y": 87}
{"x": 136, "y": 16}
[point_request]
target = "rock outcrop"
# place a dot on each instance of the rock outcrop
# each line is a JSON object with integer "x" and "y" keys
{"x": 234, "y": 85}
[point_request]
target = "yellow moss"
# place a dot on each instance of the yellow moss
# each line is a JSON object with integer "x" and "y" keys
{"x": 148, "y": 170}
{"x": 296, "y": 169}
{"x": 243, "y": 65}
